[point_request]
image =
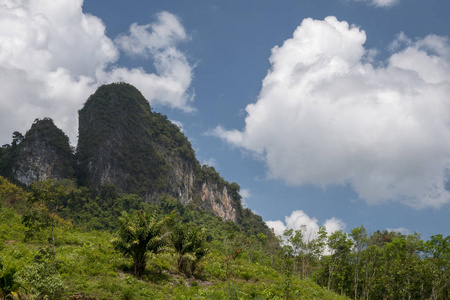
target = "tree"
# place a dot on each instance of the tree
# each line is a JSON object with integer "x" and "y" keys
{"x": 45, "y": 199}
{"x": 39, "y": 277}
{"x": 318, "y": 247}
{"x": 359, "y": 236}
{"x": 402, "y": 268}
{"x": 437, "y": 251}
{"x": 295, "y": 240}
{"x": 371, "y": 260}
{"x": 190, "y": 245}
{"x": 140, "y": 233}
{"x": 340, "y": 247}
{"x": 8, "y": 154}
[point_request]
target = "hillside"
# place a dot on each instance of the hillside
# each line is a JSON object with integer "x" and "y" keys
{"x": 88, "y": 267}
{"x": 72, "y": 243}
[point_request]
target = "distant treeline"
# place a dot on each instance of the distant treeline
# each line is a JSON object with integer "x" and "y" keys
{"x": 381, "y": 265}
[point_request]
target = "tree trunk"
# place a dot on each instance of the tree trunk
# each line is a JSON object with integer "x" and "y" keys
{"x": 330, "y": 274}
{"x": 317, "y": 269}
{"x": 303, "y": 266}
{"x": 53, "y": 244}
{"x": 356, "y": 277}
{"x": 228, "y": 279}
{"x": 139, "y": 264}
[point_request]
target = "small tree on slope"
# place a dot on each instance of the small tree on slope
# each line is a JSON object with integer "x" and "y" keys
{"x": 139, "y": 233}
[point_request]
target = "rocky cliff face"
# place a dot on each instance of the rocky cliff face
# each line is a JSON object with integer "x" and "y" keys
{"x": 181, "y": 179}
{"x": 122, "y": 142}
{"x": 44, "y": 153}
{"x": 218, "y": 201}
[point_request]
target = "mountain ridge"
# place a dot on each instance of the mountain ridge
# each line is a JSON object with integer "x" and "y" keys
{"x": 122, "y": 142}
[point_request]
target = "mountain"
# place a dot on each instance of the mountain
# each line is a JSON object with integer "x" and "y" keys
{"x": 43, "y": 153}
{"x": 122, "y": 142}
{"x": 117, "y": 143}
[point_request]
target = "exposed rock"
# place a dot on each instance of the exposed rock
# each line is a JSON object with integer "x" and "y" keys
{"x": 220, "y": 202}
{"x": 44, "y": 153}
{"x": 181, "y": 179}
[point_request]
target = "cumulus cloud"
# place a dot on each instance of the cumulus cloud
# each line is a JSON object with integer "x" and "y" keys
{"x": 327, "y": 115}
{"x": 145, "y": 40}
{"x": 299, "y": 220}
{"x": 53, "y": 56}
{"x": 380, "y": 3}
{"x": 158, "y": 41}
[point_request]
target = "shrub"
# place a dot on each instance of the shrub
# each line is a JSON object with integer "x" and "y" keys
{"x": 37, "y": 279}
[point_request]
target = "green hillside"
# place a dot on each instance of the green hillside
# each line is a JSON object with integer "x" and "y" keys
{"x": 87, "y": 265}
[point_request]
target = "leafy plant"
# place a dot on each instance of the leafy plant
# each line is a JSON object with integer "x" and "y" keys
{"x": 39, "y": 280}
{"x": 190, "y": 245}
{"x": 139, "y": 233}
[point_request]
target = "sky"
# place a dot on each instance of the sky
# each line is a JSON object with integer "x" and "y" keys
{"x": 330, "y": 113}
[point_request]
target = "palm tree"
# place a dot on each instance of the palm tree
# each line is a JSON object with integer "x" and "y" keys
{"x": 189, "y": 243}
{"x": 140, "y": 233}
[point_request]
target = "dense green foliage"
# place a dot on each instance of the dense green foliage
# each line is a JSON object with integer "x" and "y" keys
{"x": 140, "y": 234}
{"x": 218, "y": 260}
{"x": 8, "y": 155}
{"x": 203, "y": 257}
{"x": 381, "y": 265}
{"x": 189, "y": 244}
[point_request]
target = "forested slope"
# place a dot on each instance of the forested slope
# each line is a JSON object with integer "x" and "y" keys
{"x": 89, "y": 265}
{"x": 190, "y": 254}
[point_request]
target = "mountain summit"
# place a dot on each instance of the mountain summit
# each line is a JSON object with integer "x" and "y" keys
{"x": 43, "y": 153}
{"x": 123, "y": 143}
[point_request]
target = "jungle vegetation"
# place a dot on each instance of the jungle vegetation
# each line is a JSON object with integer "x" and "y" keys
{"x": 61, "y": 242}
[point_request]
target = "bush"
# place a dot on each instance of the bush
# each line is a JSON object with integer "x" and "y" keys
{"x": 37, "y": 279}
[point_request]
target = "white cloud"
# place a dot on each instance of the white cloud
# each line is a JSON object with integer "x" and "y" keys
{"x": 402, "y": 230}
{"x": 145, "y": 40}
{"x": 245, "y": 194}
{"x": 380, "y": 3}
{"x": 328, "y": 116}
{"x": 211, "y": 162}
{"x": 300, "y": 220}
{"x": 53, "y": 56}
{"x": 158, "y": 41}
{"x": 278, "y": 227}
{"x": 178, "y": 124}
{"x": 334, "y": 224}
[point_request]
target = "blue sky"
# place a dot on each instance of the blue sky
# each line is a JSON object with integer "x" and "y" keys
{"x": 325, "y": 112}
